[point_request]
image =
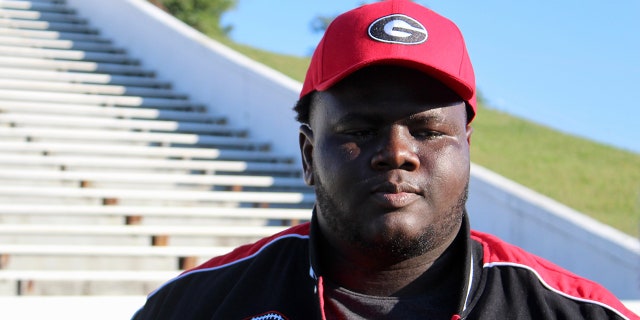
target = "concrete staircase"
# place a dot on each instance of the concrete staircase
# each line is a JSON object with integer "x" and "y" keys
{"x": 110, "y": 181}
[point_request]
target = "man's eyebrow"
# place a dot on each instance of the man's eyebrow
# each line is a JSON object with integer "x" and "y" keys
{"x": 359, "y": 117}
{"x": 427, "y": 117}
{"x": 377, "y": 118}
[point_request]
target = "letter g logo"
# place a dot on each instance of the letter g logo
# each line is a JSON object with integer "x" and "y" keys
{"x": 398, "y": 28}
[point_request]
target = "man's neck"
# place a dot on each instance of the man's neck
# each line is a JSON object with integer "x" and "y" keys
{"x": 370, "y": 275}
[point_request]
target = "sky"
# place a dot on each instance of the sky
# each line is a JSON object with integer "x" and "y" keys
{"x": 573, "y": 65}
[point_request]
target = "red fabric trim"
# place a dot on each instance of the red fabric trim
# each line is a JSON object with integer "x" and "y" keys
{"x": 497, "y": 251}
{"x": 247, "y": 250}
{"x": 321, "y": 297}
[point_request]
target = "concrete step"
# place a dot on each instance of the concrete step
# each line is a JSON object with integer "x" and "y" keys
{"x": 35, "y": 148}
{"x": 107, "y": 111}
{"x": 25, "y": 14}
{"x": 168, "y": 195}
{"x": 112, "y": 136}
{"x": 95, "y": 161}
{"x": 67, "y": 121}
{"x": 129, "y": 179}
{"x": 29, "y": 282}
{"x": 65, "y": 54}
{"x": 181, "y": 212}
{"x": 97, "y": 307}
{"x": 94, "y": 89}
{"x": 95, "y": 258}
{"x": 97, "y": 99}
{"x": 81, "y": 77}
{"x": 45, "y": 25}
{"x": 77, "y": 66}
{"x": 112, "y": 251}
{"x": 138, "y": 230}
{"x": 17, "y": 41}
{"x": 7, "y": 30}
{"x": 86, "y": 275}
{"x": 36, "y": 6}
{"x": 43, "y": 288}
{"x": 114, "y": 239}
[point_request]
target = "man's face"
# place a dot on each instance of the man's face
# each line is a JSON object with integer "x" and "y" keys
{"x": 388, "y": 153}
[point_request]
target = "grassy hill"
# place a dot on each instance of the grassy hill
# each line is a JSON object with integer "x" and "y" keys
{"x": 598, "y": 180}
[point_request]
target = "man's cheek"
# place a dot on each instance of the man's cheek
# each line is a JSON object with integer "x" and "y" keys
{"x": 350, "y": 151}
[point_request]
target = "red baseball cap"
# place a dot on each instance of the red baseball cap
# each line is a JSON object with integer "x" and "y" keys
{"x": 393, "y": 32}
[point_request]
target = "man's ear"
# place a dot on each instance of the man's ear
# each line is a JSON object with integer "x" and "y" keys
{"x": 469, "y": 132}
{"x": 306, "y": 152}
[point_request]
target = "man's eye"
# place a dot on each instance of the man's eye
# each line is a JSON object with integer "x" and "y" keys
{"x": 360, "y": 133}
{"x": 427, "y": 134}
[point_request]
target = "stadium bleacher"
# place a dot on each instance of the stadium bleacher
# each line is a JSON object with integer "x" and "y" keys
{"x": 111, "y": 182}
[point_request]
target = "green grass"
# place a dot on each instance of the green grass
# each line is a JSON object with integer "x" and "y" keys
{"x": 292, "y": 66}
{"x": 598, "y": 180}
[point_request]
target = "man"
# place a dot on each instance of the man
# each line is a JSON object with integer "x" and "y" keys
{"x": 385, "y": 109}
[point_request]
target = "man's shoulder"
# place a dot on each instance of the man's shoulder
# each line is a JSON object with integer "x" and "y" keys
{"x": 500, "y": 255}
{"x": 248, "y": 251}
{"x": 263, "y": 249}
{"x": 497, "y": 253}
{"x": 234, "y": 274}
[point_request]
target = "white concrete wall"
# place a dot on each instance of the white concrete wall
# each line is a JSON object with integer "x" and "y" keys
{"x": 255, "y": 96}
{"x": 555, "y": 232}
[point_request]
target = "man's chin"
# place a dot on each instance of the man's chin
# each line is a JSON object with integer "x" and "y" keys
{"x": 399, "y": 244}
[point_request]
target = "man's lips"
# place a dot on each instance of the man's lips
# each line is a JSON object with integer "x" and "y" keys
{"x": 393, "y": 195}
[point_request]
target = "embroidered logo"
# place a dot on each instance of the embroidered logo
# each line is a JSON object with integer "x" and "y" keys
{"x": 398, "y": 28}
{"x": 271, "y": 315}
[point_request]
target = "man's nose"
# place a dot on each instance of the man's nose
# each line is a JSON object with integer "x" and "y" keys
{"x": 396, "y": 150}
